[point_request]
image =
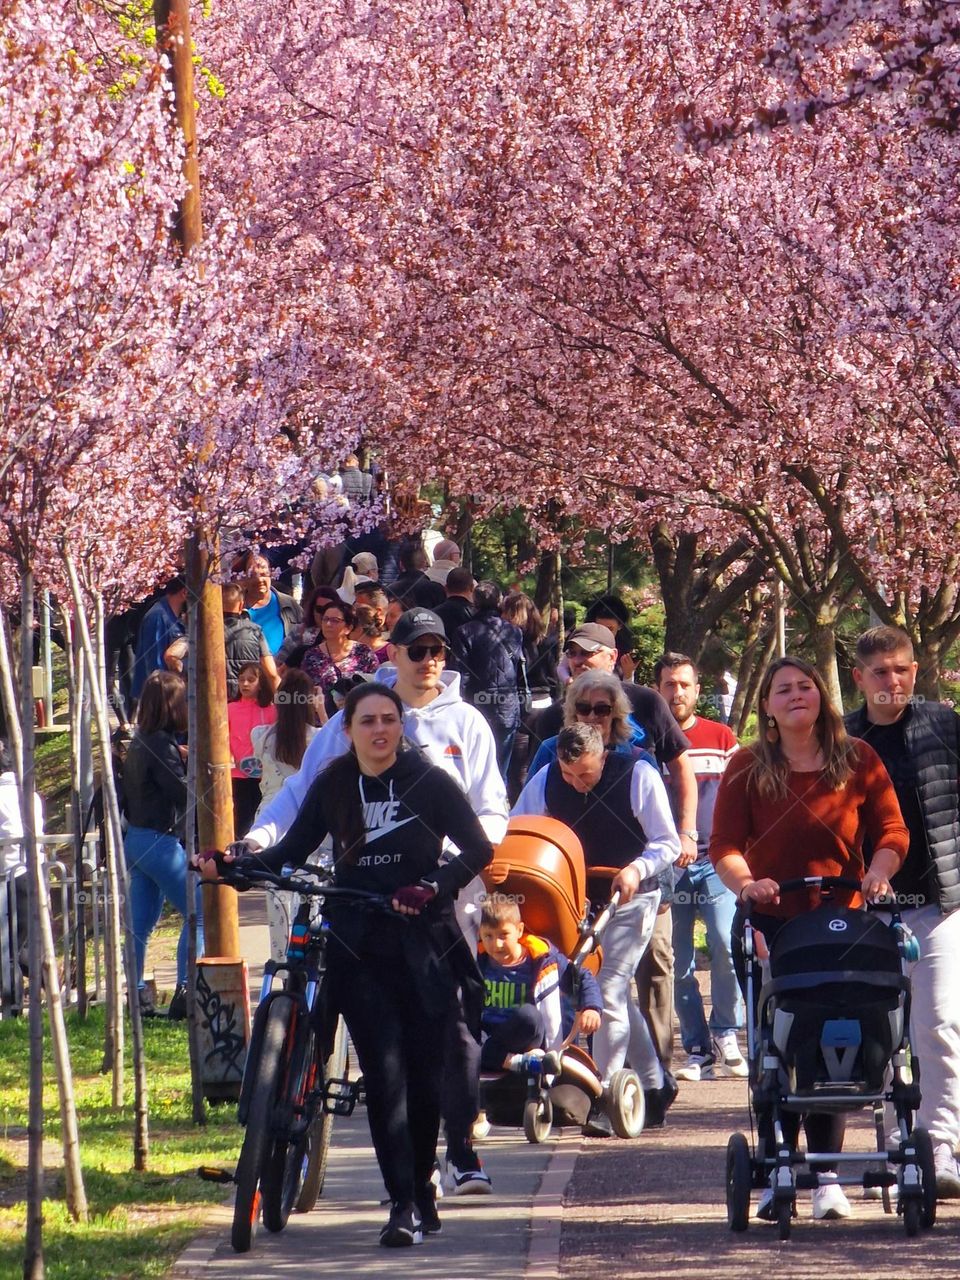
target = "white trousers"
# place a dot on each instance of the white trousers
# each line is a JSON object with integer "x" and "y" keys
{"x": 935, "y": 1019}
{"x": 623, "y": 1033}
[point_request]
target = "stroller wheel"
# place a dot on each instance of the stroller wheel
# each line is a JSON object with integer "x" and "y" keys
{"x": 923, "y": 1145}
{"x": 911, "y": 1217}
{"x": 625, "y": 1104}
{"x": 537, "y": 1118}
{"x": 739, "y": 1178}
{"x": 784, "y": 1218}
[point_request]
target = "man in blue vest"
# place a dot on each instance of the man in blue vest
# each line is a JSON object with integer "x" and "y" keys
{"x": 619, "y": 809}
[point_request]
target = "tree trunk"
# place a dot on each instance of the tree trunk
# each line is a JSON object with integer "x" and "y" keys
{"x": 699, "y": 586}
{"x": 193, "y": 1029}
{"x": 116, "y": 877}
{"x": 74, "y": 695}
{"x": 929, "y": 660}
{"x": 20, "y": 729}
{"x": 214, "y": 798}
{"x": 111, "y": 806}
{"x": 761, "y": 661}
{"x": 547, "y": 572}
{"x": 33, "y": 1265}
{"x": 823, "y": 637}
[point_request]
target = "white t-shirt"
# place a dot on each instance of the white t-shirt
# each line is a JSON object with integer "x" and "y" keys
{"x": 11, "y": 821}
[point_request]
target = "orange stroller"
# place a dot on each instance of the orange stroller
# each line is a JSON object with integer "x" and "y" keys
{"x": 540, "y": 862}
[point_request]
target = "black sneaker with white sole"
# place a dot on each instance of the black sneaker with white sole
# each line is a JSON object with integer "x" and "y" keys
{"x": 427, "y": 1208}
{"x": 467, "y": 1177}
{"x": 404, "y": 1227}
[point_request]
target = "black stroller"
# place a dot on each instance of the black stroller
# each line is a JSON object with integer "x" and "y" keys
{"x": 832, "y": 1033}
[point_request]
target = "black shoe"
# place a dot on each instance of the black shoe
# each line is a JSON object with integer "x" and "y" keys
{"x": 177, "y": 1009}
{"x": 598, "y": 1123}
{"x": 659, "y": 1101}
{"x": 147, "y": 1008}
{"x": 427, "y": 1208}
{"x": 403, "y": 1227}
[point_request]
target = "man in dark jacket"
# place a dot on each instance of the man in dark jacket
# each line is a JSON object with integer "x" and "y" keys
{"x": 458, "y": 607}
{"x": 919, "y": 743}
{"x": 413, "y": 588}
{"x": 489, "y": 654}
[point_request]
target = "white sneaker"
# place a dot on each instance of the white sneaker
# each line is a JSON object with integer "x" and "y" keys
{"x": 729, "y": 1055}
{"x": 948, "y": 1172}
{"x": 481, "y": 1127}
{"x": 765, "y": 1205}
{"x": 829, "y": 1202}
{"x": 698, "y": 1066}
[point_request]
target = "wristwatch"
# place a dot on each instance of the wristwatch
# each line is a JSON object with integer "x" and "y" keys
{"x": 693, "y": 835}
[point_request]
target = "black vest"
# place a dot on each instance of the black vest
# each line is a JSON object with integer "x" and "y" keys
{"x": 602, "y": 818}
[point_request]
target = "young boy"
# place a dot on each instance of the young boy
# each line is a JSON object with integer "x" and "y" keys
{"x": 525, "y": 978}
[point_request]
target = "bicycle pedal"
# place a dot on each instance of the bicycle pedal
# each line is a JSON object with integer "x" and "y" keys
{"x": 340, "y": 1097}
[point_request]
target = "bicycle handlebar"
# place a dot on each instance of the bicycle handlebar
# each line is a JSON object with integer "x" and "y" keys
{"x": 245, "y": 872}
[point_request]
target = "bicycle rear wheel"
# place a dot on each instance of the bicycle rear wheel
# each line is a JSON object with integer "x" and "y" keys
{"x": 321, "y": 1129}
{"x": 258, "y": 1140}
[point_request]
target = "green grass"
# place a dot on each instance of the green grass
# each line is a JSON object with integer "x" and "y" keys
{"x": 138, "y": 1221}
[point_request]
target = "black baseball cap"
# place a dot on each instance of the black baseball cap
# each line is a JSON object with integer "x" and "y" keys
{"x": 415, "y": 623}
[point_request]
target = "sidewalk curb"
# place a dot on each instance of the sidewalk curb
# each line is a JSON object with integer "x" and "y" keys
{"x": 546, "y": 1211}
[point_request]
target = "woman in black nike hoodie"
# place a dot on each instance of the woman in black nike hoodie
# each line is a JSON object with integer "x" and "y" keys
{"x": 395, "y": 978}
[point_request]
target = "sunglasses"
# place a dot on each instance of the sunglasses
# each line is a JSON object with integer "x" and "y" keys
{"x": 329, "y": 617}
{"x": 602, "y": 709}
{"x": 417, "y": 652}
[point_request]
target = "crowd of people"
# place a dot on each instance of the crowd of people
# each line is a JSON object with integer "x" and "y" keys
{"x": 439, "y": 705}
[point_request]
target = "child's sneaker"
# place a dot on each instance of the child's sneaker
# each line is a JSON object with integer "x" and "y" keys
{"x": 698, "y": 1066}
{"x": 729, "y": 1055}
{"x": 467, "y": 1177}
{"x": 403, "y": 1227}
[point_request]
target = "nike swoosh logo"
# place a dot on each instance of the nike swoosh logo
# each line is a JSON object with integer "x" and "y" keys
{"x": 386, "y": 829}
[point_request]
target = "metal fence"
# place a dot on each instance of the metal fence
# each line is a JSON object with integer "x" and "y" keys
{"x": 78, "y": 912}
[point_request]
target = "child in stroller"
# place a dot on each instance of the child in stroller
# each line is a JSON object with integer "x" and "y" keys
{"x": 526, "y": 980}
{"x": 531, "y": 1066}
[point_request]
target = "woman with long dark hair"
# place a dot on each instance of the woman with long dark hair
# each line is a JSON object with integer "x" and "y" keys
{"x": 280, "y": 748}
{"x": 800, "y": 802}
{"x": 394, "y": 979}
{"x": 155, "y": 791}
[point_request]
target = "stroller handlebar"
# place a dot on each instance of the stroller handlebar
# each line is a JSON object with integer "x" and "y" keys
{"x": 797, "y": 884}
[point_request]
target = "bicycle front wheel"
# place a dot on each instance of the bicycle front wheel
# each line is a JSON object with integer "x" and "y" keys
{"x": 258, "y": 1140}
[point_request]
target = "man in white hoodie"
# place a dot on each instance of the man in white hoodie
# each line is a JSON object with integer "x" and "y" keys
{"x": 455, "y": 736}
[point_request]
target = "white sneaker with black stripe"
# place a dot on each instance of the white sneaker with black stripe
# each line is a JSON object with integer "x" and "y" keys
{"x": 728, "y": 1054}
{"x": 698, "y": 1066}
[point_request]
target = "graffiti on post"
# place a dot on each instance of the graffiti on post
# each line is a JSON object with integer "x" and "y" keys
{"x": 223, "y": 1039}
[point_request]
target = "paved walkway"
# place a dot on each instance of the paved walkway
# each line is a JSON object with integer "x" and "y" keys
{"x": 576, "y": 1210}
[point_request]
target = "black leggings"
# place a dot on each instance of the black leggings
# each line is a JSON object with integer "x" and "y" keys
{"x": 400, "y": 1050}
{"x": 825, "y": 1131}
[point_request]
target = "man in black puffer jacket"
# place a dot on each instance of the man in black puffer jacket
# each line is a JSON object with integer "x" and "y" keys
{"x": 919, "y": 743}
{"x": 489, "y": 657}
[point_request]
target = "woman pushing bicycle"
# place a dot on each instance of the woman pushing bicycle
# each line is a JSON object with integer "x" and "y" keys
{"x": 396, "y": 977}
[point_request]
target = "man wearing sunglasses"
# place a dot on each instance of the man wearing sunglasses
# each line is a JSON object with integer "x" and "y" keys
{"x": 456, "y": 737}
{"x": 593, "y": 647}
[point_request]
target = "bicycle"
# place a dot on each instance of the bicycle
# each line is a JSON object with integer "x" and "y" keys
{"x": 295, "y": 1079}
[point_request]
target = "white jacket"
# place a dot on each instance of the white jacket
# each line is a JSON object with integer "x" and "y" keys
{"x": 451, "y": 733}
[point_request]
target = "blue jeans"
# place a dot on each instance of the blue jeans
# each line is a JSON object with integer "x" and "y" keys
{"x": 157, "y": 872}
{"x": 709, "y": 899}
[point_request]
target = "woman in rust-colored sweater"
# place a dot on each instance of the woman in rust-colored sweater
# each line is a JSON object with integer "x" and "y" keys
{"x": 801, "y": 801}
